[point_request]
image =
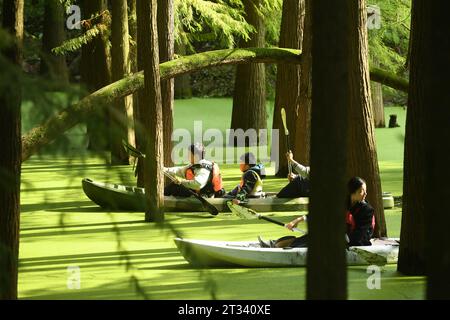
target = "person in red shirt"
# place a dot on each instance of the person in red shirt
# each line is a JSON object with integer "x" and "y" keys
{"x": 360, "y": 220}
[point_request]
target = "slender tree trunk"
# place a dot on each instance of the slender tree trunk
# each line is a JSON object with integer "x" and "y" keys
{"x": 183, "y": 88}
{"x": 362, "y": 155}
{"x": 150, "y": 109}
{"x": 249, "y": 99}
{"x": 95, "y": 74}
{"x": 288, "y": 78}
{"x": 411, "y": 258}
{"x": 120, "y": 69}
{"x": 54, "y": 66}
{"x": 326, "y": 263}
{"x": 378, "y": 105}
{"x": 10, "y": 157}
{"x": 132, "y": 26}
{"x": 166, "y": 53}
{"x": 302, "y": 135}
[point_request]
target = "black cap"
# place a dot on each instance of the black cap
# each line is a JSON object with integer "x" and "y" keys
{"x": 248, "y": 158}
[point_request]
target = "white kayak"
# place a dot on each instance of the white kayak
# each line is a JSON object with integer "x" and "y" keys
{"x": 206, "y": 253}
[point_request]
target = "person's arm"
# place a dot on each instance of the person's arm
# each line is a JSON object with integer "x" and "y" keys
{"x": 297, "y": 167}
{"x": 295, "y": 222}
{"x": 250, "y": 180}
{"x": 300, "y": 169}
{"x": 176, "y": 171}
{"x": 200, "y": 180}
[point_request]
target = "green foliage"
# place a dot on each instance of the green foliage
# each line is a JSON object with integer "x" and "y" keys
{"x": 99, "y": 24}
{"x": 388, "y": 46}
{"x": 75, "y": 44}
{"x": 218, "y": 20}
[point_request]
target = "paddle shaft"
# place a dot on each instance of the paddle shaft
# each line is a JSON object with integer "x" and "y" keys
{"x": 286, "y": 132}
{"x": 208, "y": 206}
{"x": 276, "y": 222}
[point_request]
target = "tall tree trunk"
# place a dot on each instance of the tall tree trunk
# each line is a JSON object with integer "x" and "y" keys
{"x": 183, "y": 88}
{"x": 377, "y": 104}
{"x": 54, "y": 66}
{"x": 150, "y": 109}
{"x": 326, "y": 263}
{"x": 430, "y": 48}
{"x": 120, "y": 69}
{"x": 10, "y": 157}
{"x": 288, "y": 78}
{"x": 95, "y": 74}
{"x": 302, "y": 135}
{"x": 362, "y": 155}
{"x": 411, "y": 257}
{"x": 132, "y": 26}
{"x": 249, "y": 99}
{"x": 166, "y": 52}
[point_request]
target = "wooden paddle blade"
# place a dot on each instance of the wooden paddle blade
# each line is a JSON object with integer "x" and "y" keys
{"x": 208, "y": 206}
{"x": 370, "y": 257}
{"x": 283, "y": 118}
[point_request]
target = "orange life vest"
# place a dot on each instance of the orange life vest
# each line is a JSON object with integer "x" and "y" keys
{"x": 215, "y": 178}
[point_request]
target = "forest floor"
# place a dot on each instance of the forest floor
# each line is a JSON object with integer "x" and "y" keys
{"x": 117, "y": 253}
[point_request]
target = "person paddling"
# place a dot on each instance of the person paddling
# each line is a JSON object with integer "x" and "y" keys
{"x": 201, "y": 175}
{"x": 251, "y": 185}
{"x": 298, "y": 185}
{"x": 360, "y": 220}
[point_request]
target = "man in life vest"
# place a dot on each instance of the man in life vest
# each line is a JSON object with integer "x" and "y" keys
{"x": 201, "y": 175}
{"x": 298, "y": 185}
{"x": 251, "y": 184}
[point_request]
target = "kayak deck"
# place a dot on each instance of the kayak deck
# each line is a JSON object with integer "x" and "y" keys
{"x": 205, "y": 253}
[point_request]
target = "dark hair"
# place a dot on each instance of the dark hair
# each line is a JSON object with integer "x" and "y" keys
{"x": 248, "y": 158}
{"x": 198, "y": 150}
{"x": 352, "y": 186}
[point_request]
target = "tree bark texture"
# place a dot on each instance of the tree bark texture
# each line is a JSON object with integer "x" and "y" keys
{"x": 249, "y": 99}
{"x": 54, "y": 66}
{"x": 362, "y": 153}
{"x": 95, "y": 74}
{"x": 326, "y": 263}
{"x": 288, "y": 79}
{"x": 123, "y": 109}
{"x": 412, "y": 256}
{"x": 150, "y": 110}
{"x": 302, "y": 135}
{"x": 166, "y": 52}
{"x": 10, "y": 157}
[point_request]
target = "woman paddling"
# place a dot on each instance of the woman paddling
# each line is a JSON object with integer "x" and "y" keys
{"x": 360, "y": 220}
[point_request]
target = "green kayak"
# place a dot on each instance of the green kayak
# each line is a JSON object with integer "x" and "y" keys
{"x": 128, "y": 198}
